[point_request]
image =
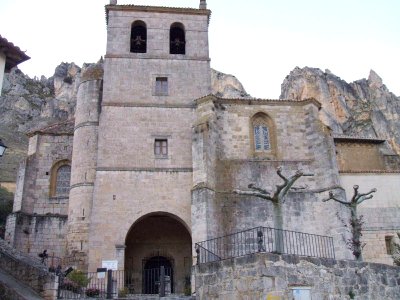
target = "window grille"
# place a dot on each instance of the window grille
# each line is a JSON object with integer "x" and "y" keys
{"x": 161, "y": 86}
{"x": 138, "y": 37}
{"x": 161, "y": 147}
{"x": 261, "y": 138}
{"x": 63, "y": 180}
{"x": 177, "y": 42}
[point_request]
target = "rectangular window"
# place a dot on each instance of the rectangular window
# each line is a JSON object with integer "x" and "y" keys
{"x": 261, "y": 138}
{"x": 266, "y": 138}
{"x": 161, "y": 86}
{"x": 161, "y": 148}
{"x": 388, "y": 243}
{"x": 257, "y": 138}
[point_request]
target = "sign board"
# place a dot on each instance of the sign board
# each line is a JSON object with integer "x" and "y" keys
{"x": 301, "y": 293}
{"x": 110, "y": 264}
{"x": 101, "y": 273}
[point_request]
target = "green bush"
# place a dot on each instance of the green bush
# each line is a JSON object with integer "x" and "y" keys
{"x": 79, "y": 278}
{"x": 92, "y": 292}
{"x": 123, "y": 292}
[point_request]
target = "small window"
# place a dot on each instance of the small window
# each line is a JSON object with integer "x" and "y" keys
{"x": 63, "y": 180}
{"x": 60, "y": 179}
{"x": 161, "y": 147}
{"x": 261, "y": 138}
{"x": 138, "y": 37}
{"x": 161, "y": 86}
{"x": 388, "y": 243}
{"x": 177, "y": 40}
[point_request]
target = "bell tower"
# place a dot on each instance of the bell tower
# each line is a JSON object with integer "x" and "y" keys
{"x": 157, "y": 63}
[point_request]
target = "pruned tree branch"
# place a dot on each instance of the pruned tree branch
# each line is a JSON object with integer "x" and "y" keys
{"x": 253, "y": 187}
{"x": 253, "y": 193}
{"x": 333, "y": 197}
{"x": 281, "y": 190}
{"x": 356, "y": 222}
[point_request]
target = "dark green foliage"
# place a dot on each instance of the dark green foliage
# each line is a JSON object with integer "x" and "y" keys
{"x": 92, "y": 292}
{"x": 79, "y": 278}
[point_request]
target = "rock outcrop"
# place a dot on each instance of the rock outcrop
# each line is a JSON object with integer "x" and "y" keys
{"x": 227, "y": 86}
{"x": 362, "y": 108}
{"x": 27, "y": 104}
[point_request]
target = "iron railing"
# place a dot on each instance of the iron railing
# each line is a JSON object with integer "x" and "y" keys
{"x": 112, "y": 284}
{"x": 264, "y": 239}
{"x": 90, "y": 284}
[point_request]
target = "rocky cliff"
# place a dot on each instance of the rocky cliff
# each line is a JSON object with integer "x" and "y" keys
{"x": 27, "y": 104}
{"x": 361, "y": 108}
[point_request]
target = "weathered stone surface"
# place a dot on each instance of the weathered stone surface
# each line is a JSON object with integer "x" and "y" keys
{"x": 27, "y": 104}
{"x": 362, "y": 108}
{"x": 330, "y": 279}
{"x": 28, "y": 270}
{"x": 227, "y": 86}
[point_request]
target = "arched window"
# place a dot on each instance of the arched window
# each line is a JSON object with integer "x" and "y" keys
{"x": 60, "y": 179}
{"x": 177, "y": 40}
{"x": 138, "y": 37}
{"x": 263, "y": 135}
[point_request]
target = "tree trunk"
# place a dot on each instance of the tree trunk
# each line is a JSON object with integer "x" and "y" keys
{"x": 356, "y": 231}
{"x": 278, "y": 225}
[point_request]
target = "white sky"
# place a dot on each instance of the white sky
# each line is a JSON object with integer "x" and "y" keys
{"x": 258, "y": 41}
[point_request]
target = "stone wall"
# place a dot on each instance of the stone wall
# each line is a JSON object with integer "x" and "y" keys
{"x": 223, "y": 160}
{"x": 380, "y": 214}
{"x": 359, "y": 156}
{"x": 28, "y": 271}
{"x": 35, "y": 233}
{"x": 271, "y": 276}
{"x": 38, "y": 221}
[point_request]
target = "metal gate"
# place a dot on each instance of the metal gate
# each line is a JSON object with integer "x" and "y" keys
{"x": 151, "y": 273}
{"x": 151, "y": 280}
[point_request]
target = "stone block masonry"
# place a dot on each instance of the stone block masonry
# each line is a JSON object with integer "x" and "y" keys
{"x": 28, "y": 271}
{"x": 272, "y": 276}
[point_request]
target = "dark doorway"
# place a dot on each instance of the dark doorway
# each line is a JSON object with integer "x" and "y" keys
{"x": 158, "y": 239}
{"x": 151, "y": 273}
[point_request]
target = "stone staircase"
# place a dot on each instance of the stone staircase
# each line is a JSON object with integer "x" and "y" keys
{"x": 21, "y": 272}
{"x": 14, "y": 253}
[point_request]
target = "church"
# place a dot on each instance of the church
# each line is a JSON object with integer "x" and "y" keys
{"x": 149, "y": 164}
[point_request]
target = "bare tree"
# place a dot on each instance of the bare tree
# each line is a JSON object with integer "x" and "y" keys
{"x": 356, "y": 222}
{"x": 277, "y": 198}
{"x": 281, "y": 189}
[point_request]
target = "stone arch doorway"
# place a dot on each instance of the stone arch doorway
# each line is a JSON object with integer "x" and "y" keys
{"x": 158, "y": 239}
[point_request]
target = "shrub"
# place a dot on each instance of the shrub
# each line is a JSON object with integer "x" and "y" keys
{"x": 92, "y": 292}
{"x": 69, "y": 285}
{"x": 79, "y": 278}
{"x": 123, "y": 292}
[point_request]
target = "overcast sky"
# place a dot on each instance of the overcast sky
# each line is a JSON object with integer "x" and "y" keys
{"x": 258, "y": 41}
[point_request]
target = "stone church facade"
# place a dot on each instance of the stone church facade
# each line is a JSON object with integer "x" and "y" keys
{"x": 148, "y": 166}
